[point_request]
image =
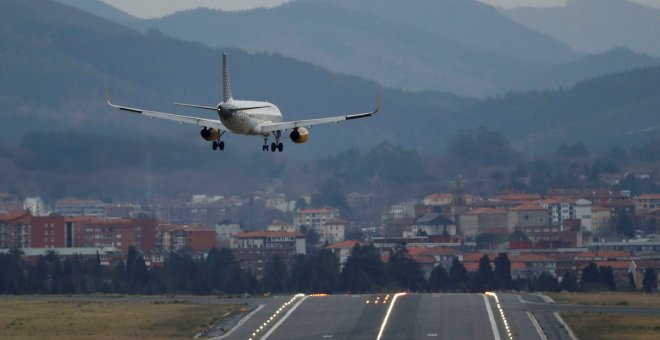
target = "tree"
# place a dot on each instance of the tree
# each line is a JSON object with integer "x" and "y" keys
{"x": 458, "y": 275}
{"x": 439, "y": 279}
{"x": 363, "y": 271}
{"x": 569, "y": 282}
{"x": 275, "y": 277}
{"x": 546, "y": 282}
{"x": 650, "y": 280}
{"x": 404, "y": 271}
{"x": 590, "y": 275}
{"x": 483, "y": 280}
{"x": 624, "y": 225}
{"x": 606, "y": 277}
{"x": 502, "y": 272}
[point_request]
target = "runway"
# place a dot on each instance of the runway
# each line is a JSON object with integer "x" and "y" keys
{"x": 412, "y": 316}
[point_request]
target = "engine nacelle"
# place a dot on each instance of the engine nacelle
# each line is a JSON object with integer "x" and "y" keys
{"x": 299, "y": 135}
{"x": 210, "y": 134}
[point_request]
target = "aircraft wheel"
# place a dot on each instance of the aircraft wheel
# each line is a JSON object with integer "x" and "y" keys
{"x": 280, "y": 147}
{"x": 215, "y": 145}
{"x": 273, "y": 146}
{"x": 221, "y": 145}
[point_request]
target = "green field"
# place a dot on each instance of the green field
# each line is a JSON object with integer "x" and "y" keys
{"x": 587, "y": 326}
{"x": 59, "y": 318}
{"x": 605, "y": 326}
{"x": 608, "y": 299}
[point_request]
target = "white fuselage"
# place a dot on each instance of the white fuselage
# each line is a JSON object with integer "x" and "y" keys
{"x": 248, "y": 122}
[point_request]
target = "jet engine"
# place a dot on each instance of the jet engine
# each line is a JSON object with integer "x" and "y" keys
{"x": 299, "y": 135}
{"x": 210, "y": 134}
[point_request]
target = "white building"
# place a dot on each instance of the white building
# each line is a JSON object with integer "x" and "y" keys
{"x": 583, "y": 213}
{"x": 36, "y": 206}
{"x": 314, "y": 218}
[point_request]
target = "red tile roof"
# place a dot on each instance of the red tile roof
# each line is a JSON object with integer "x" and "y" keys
{"x": 649, "y": 196}
{"x": 315, "y": 211}
{"x": 432, "y": 251}
{"x": 598, "y": 208}
{"x": 13, "y": 216}
{"x": 530, "y": 258}
{"x": 614, "y": 264}
{"x": 267, "y": 233}
{"x": 487, "y": 211}
{"x": 348, "y": 244}
{"x": 423, "y": 259}
{"x": 606, "y": 254}
{"x": 528, "y": 207}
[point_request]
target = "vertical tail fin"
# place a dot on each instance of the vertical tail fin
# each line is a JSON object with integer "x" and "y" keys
{"x": 225, "y": 79}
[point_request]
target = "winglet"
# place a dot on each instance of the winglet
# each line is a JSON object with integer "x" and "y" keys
{"x": 107, "y": 96}
{"x": 377, "y": 104}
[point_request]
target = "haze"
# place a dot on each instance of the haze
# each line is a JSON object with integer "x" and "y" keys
{"x": 159, "y": 8}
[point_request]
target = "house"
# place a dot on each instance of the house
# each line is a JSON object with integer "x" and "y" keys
{"x": 431, "y": 257}
{"x": 343, "y": 249}
{"x": 567, "y": 235}
{"x": 646, "y": 203}
{"x": 637, "y": 269}
{"x": 15, "y": 230}
{"x": 527, "y": 215}
{"x": 529, "y": 265}
{"x": 224, "y": 233}
{"x": 601, "y": 219}
{"x": 117, "y": 233}
{"x": 484, "y": 220}
{"x": 334, "y": 230}
{"x": 314, "y": 218}
{"x": 431, "y": 224}
{"x": 254, "y": 249}
{"x": 76, "y": 207}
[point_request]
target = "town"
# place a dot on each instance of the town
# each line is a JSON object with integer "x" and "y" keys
{"x": 559, "y": 235}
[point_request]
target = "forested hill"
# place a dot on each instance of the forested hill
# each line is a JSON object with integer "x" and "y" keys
{"x": 460, "y": 46}
{"x": 57, "y": 60}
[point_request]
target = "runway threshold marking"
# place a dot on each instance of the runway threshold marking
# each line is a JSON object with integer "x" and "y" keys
{"x": 430, "y": 335}
{"x": 327, "y": 336}
{"x": 491, "y": 317}
{"x": 387, "y": 315}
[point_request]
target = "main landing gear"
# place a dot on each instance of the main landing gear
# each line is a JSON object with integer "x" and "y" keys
{"x": 218, "y": 144}
{"x": 276, "y": 146}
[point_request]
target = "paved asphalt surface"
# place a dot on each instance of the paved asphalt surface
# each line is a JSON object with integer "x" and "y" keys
{"x": 412, "y": 316}
{"x": 418, "y": 316}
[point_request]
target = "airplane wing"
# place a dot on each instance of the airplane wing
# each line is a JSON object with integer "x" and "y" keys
{"x": 270, "y": 127}
{"x": 210, "y": 123}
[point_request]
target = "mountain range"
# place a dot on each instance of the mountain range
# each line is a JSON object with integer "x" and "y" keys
{"x": 57, "y": 60}
{"x": 458, "y": 46}
{"x": 594, "y": 26}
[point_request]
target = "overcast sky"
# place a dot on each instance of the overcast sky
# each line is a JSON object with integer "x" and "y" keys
{"x": 158, "y": 8}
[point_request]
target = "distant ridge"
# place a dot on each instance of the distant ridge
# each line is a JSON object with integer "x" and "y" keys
{"x": 595, "y": 26}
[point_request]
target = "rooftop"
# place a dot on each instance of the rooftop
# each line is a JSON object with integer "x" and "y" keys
{"x": 268, "y": 233}
{"x": 348, "y": 244}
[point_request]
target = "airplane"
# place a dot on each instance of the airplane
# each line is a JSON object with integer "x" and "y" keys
{"x": 254, "y": 118}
